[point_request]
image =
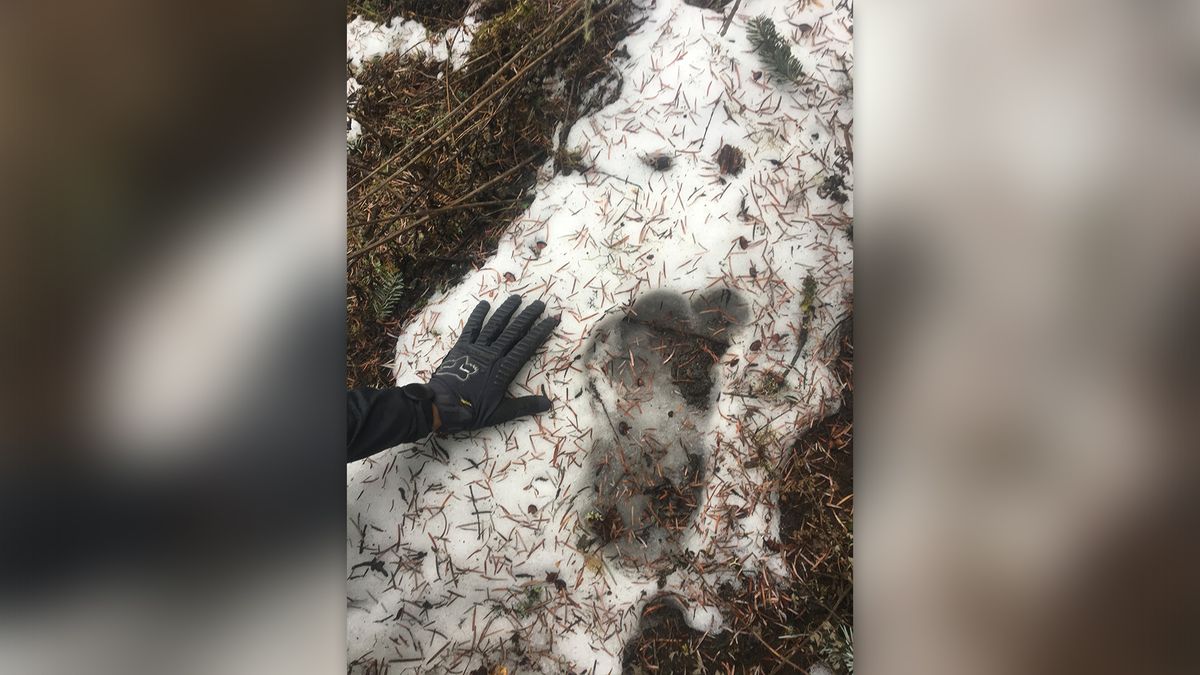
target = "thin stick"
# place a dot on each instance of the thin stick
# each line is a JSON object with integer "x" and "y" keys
{"x": 420, "y": 137}
{"x": 429, "y": 212}
{"x": 503, "y": 88}
{"x": 729, "y": 18}
{"x": 392, "y": 235}
{"x": 777, "y": 654}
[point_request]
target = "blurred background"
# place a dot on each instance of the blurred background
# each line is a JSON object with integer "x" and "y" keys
{"x": 172, "y": 490}
{"x": 1027, "y": 269}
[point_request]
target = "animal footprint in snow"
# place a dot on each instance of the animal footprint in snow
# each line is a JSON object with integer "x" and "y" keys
{"x": 651, "y": 375}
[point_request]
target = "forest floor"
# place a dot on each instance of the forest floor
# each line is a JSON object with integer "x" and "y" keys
{"x": 458, "y": 114}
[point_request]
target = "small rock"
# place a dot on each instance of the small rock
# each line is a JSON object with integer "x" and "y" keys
{"x": 659, "y": 162}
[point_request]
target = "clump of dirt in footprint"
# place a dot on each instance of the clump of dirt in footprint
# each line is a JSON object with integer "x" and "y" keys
{"x": 730, "y": 160}
{"x": 652, "y": 379}
{"x": 689, "y": 337}
{"x": 658, "y": 162}
{"x": 666, "y": 644}
{"x": 664, "y": 639}
{"x": 833, "y": 188}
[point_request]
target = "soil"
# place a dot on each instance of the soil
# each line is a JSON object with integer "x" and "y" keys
{"x": 788, "y": 628}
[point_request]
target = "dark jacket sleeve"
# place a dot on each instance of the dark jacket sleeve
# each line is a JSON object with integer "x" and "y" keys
{"x": 377, "y": 419}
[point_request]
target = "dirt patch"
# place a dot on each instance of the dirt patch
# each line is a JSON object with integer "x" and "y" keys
{"x": 435, "y": 14}
{"x": 446, "y": 158}
{"x": 657, "y": 359}
{"x": 690, "y": 339}
{"x": 665, "y": 644}
{"x": 730, "y": 160}
{"x": 781, "y": 628}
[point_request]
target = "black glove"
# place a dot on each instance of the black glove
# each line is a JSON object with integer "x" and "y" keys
{"x": 468, "y": 388}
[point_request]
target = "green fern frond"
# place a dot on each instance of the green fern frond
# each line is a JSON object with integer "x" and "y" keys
{"x": 772, "y": 48}
{"x": 387, "y": 294}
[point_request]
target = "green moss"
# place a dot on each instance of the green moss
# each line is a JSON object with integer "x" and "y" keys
{"x": 769, "y": 385}
{"x": 808, "y": 302}
{"x": 426, "y": 11}
{"x": 531, "y": 599}
{"x": 837, "y": 646}
{"x": 511, "y": 29}
{"x": 569, "y": 161}
{"x": 765, "y": 438}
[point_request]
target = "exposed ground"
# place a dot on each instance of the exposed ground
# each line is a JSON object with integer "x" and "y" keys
{"x": 447, "y": 156}
{"x": 808, "y": 619}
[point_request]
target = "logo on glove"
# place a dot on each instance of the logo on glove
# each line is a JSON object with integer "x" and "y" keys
{"x": 462, "y": 368}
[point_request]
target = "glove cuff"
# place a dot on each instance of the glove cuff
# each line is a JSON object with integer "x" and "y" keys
{"x": 454, "y": 416}
{"x": 424, "y": 397}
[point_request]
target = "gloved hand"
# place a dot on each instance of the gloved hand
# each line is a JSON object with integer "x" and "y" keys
{"x": 468, "y": 388}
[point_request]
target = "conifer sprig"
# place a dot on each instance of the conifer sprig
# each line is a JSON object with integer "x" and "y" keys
{"x": 772, "y": 48}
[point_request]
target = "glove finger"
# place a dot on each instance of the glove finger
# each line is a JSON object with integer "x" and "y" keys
{"x": 520, "y": 325}
{"x": 512, "y": 408}
{"x": 474, "y": 323}
{"x": 499, "y": 319}
{"x": 528, "y": 345}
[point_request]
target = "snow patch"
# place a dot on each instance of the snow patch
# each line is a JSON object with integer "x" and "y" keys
{"x": 705, "y": 619}
{"x": 353, "y": 128}
{"x": 366, "y": 40}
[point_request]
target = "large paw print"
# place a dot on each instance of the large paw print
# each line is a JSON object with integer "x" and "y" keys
{"x": 651, "y": 375}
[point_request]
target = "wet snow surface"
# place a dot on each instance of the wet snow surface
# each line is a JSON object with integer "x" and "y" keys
{"x": 688, "y": 357}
